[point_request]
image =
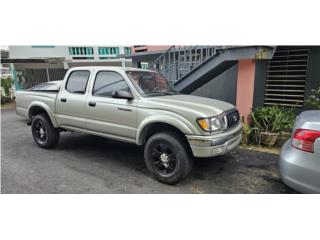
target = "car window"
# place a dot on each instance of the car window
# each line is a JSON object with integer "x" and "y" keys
{"x": 107, "y": 82}
{"x": 77, "y": 81}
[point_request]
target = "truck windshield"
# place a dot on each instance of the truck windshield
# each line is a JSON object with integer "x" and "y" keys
{"x": 151, "y": 83}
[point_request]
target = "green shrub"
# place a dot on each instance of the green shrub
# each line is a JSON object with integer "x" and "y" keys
{"x": 272, "y": 119}
{"x": 314, "y": 99}
{"x": 6, "y": 85}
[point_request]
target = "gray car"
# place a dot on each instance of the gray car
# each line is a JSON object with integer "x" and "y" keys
{"x": 300, "y": 155}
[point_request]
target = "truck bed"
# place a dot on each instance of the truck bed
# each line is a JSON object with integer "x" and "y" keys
{"x": 43, "y": 93}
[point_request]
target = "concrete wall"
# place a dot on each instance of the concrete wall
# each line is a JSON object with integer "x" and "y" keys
{"x": 43, "y": 52}
{"x": 245, "y": 83}
{"x": 222, "y": 87}
{"x": 259, "y": 83}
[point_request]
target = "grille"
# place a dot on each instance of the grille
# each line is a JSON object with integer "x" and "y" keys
{"x": 286, "y": 77}
{"x": 232, "y": 117}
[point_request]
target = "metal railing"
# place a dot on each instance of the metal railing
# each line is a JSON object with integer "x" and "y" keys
{"x": 178, "y": 61}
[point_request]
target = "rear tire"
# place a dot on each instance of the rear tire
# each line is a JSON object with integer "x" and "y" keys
{"x": 44, "y": 133}
{"x": 167, "y": 157}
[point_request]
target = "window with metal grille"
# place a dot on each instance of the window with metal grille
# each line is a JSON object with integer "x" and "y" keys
{"x": 144, "y": 65}
{"x": 286, "y": 77}
{"x": 81, "y": 52}
{"x": 127, "y": 50}
{"x": 108, "y": 50}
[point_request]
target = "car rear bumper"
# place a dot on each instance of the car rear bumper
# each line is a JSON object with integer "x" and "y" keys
{"x": 299, "y": 170}
{"x": 219, "y": 144}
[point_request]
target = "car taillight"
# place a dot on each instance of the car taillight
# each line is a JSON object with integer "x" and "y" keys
{"x": 304, "y": 139}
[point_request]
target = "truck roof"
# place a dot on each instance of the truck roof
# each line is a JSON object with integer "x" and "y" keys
{"x": 110, "y": 68}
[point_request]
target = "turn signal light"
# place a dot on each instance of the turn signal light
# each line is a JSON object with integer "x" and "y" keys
{"x": 304, "y": 139}
{"x": 204, "y": 124}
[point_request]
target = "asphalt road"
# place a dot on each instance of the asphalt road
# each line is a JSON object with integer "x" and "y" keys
{"x": 90, "y": 164}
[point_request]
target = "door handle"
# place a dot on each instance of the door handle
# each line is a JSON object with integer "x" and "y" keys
{"x": 124, "y": 109}
{"x": 63, "y": 99}
{"x": 92, "y": 104}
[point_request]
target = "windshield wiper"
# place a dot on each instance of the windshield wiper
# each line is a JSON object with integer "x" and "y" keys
{"x": 171, "y": 92}
{"x": 165, "y": 92}
{"x": 162, "y": 93}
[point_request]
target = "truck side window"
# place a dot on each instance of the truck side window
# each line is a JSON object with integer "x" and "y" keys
{"x": 107, "y": 82}
{"x": 77, "y": 81}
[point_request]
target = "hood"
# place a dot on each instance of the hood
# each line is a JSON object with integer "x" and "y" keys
{"x": 200, "y": 106}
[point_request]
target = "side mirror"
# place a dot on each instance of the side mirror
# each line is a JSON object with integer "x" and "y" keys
{"x": 123, "y": 94}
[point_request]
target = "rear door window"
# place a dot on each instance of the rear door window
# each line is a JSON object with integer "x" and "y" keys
{"x": 77, "y": 81}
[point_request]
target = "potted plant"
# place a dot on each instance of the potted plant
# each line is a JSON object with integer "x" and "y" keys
{"x": 269, "y": 121}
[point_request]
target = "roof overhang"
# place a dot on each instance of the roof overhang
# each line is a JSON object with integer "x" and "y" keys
{"x": 32, "y": 60}
{"x": 143, "y": 56}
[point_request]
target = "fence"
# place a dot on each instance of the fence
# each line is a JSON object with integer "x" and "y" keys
{"x": 37, "y": 76}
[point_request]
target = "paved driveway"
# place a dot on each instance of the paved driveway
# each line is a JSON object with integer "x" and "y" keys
{"x": 89, "y": 164}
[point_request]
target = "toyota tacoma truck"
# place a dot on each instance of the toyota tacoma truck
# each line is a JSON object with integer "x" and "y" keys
{"x": 136, "y": 106}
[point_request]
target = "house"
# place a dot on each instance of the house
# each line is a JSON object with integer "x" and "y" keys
{"x": 246, "y": 76}
{"x": 32, "y": 65}
{"x": 143, "y": 55}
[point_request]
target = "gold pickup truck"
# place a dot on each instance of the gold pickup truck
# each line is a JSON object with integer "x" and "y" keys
{"x": 136, "y": 106}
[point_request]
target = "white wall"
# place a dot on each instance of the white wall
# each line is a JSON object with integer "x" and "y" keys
{"x": 31, "y": 52}
{"x": 23, "y": 52}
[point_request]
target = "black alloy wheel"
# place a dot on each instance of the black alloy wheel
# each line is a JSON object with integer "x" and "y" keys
{"x": 168, "y": 157}
{"x": 44, "y": 133}
{"x": 164, "y": 159}
{"x": 40, "y": 131}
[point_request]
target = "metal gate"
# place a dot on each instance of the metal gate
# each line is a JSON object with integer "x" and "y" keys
{"x": 37, "y": 76}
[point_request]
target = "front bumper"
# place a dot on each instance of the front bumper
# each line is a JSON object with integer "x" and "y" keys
{"x": 214, "y": 145}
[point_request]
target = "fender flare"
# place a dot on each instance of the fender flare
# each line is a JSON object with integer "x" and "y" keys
{"x": 174, "y": 122}
{"x": 46, "y": 108}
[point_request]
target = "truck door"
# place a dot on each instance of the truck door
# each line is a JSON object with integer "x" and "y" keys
{"x": 108, "y": 115}
{"x": 71, "y": 100}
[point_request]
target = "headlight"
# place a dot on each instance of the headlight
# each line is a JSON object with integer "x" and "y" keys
{"x": 216, "y": 124}
{"x": 213, "y": 123}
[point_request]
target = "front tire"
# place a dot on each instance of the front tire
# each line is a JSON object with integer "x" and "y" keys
{"x": 44, "y": 133}
{"x": 167, "y": 157}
